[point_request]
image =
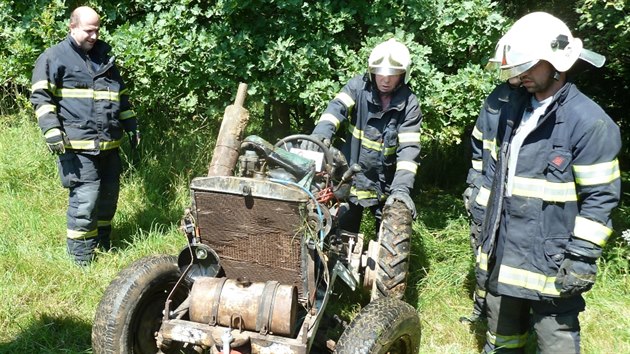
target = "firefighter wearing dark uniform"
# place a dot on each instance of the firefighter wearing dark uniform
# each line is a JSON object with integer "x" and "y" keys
{"x": 483, "y": 143}
{"x": 83, "y": 111}
{"x": 555, "y": 184}
{"x": 382, "y": 119}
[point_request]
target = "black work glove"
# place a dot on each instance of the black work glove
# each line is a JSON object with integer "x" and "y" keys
{"x": 467, "y": 198}
{"x": 56, "y": 141}
{"x": 134, "y": 138}
{"x": 475, "y": 235}
{"x": 309, "y": 145}
{"x": 403, "y": 197}
{"x": 576, "y": 275}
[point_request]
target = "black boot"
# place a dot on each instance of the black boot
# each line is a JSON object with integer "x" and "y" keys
{"x": 104, "y": 243}
{"x": 82, "y": 250}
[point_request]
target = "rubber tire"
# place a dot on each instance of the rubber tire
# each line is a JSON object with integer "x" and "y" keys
{"x": 393, "y": 255}
{"x": 130, "y": 311}
{"x": 385, "y": 325}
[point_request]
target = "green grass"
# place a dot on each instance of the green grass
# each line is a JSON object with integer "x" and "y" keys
{"x": 48, "y": 303}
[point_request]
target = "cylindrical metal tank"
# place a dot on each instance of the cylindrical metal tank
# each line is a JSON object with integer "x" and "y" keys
{"x": 265, "y": 307}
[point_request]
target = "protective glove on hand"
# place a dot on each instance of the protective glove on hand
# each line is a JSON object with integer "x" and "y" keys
{"x": 311, "y": 146}
{"x": 576, "y": 275}
{"x": 475, "y": 235}
{"x": 403, "y": 197}
{"x": 56, "y": 141}
{"x": 467, "y": 198}
{"x": 134, "y": 138}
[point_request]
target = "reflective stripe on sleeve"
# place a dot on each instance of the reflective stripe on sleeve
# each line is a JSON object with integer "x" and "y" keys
{"x": 601, "y": 173}
{"x": 477, "y": 165}
{"x": 44, "y": 109}
{"x": 483, "y": 196}
{"x": 404, "y": 138}
{"x": 407, "y": 165}
{"x": 591, "y": 231}
{"x": 482, "y": 260}
{"x": 127, "y": 114}
{"x": 327, "y": 117}
{"x": 476, "y": 133}
{"x": 345, "y": 99}
{"x": 43, "y": 85}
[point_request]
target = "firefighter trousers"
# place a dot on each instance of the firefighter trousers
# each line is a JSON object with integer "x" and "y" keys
{"x": 93, "y": 183}
{"x": 351, "y": 218}
{"x": 554, "y": 321}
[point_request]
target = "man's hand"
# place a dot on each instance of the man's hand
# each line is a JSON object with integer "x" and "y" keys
{"x": 134, "y": 138}
{"x": 467, "y": 198}
{"x": 475, "y": 235}
{"x": 403, "y": 197}
{"x": 576, "y": 275}
{"x": 56, "y": 141}
{"x": 311, "y": 146}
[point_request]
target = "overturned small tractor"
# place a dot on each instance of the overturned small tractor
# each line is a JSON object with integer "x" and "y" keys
{"x": 261, "y": 259}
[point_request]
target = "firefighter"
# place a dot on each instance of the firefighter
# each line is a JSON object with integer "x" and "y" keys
{"x": 380, "y": 117}
{"x": 556, "y": 180}
{"x": 483, "y": 147}
{"x": 483, "y": 144}
{"x": 83, "y": 111}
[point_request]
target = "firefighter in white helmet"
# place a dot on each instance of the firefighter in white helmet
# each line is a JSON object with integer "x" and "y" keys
{"x": 551, "y": 190}
{"x": 379, "y": 117}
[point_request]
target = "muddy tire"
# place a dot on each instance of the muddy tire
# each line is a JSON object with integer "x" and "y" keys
{"x": 130, "y": 311}
{"x": 392, "y": 264}
{"x": 385, "y": 325}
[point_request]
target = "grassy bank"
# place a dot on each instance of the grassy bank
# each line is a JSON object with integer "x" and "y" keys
{"x": 48, "y": 303}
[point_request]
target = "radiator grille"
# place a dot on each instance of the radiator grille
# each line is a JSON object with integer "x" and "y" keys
{"x": 255, "y": 237}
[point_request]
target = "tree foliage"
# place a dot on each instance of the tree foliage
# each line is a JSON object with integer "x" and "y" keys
{"x": 183, "y": 59}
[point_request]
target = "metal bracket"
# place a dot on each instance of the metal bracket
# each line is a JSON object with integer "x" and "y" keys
{"x": 345, "y": 275}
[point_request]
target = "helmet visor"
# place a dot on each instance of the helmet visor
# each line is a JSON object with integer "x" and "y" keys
{"x": 386, "y": 71}
{"x": 516, "y": 70}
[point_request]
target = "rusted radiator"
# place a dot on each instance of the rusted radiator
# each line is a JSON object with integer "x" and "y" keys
{"x": 255, "y": 226}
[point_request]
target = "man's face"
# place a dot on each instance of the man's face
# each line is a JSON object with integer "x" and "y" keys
{"x": 85, "y": 32}
{"x": 387, "y": 84}
{"x": 539, "y": 80}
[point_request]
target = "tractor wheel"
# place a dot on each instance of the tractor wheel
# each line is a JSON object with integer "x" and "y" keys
{"x": 392, "y": 265}
{"x": 385, "y": 325}
{"x": 130, "y": 311}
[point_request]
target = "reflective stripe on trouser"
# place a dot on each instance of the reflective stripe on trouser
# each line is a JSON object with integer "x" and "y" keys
{"x": 555, "y": 322}
{"x": 93, "y": 185}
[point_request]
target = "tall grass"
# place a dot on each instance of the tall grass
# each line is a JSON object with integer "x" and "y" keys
{"x": 48, "y": 303}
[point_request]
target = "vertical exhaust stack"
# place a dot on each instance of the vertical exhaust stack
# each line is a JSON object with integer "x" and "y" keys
{"x": 226, "y": 150}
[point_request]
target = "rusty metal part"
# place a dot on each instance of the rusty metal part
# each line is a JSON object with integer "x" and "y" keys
{"x": 203, "y": 335}
{"x": 369, "y": 262}
{"x": 226, "y": 150}
{"x": 263, "y": 307}
{"x": 257, "y": 235}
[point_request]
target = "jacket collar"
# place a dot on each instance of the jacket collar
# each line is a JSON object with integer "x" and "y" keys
{"x": 398, "y": 99}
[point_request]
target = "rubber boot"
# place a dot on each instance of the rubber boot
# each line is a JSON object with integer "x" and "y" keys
{"x": 82, "y": 250}
{"x": 478, "y": 312}
{"x": 104, "y": 243}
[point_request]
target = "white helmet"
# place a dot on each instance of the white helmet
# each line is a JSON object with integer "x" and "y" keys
{"x": 541, "y": 36}
{"x": 390, "y": 58}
